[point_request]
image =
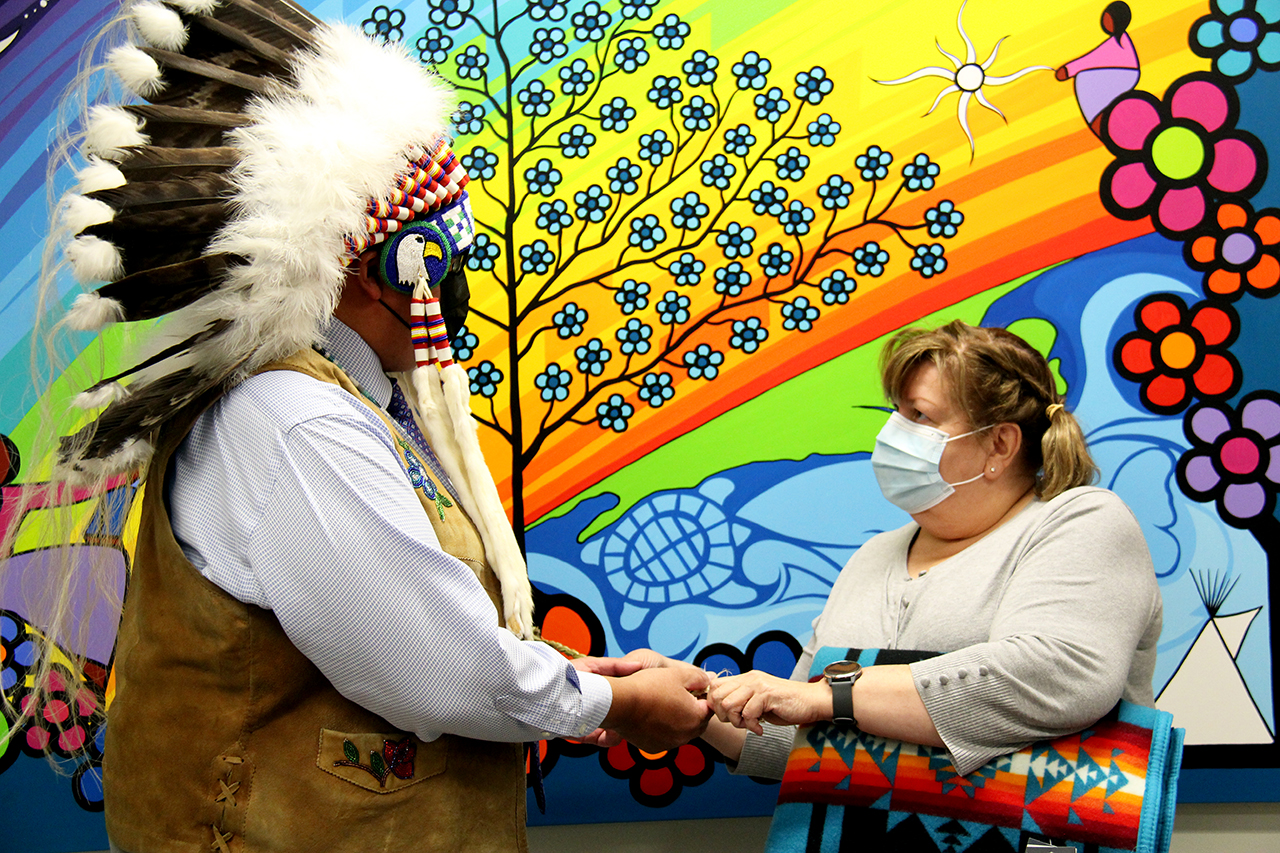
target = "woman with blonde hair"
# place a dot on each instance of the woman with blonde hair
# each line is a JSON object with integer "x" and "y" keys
{"x": 1036, "y": 587}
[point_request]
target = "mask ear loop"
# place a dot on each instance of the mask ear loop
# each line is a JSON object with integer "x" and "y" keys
{"x": 444, "y": 398}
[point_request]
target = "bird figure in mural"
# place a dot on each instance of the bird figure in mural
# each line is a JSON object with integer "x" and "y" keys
{"x": 968, "y": 78}
{"x": 1108, "y": 71}
{"x": 411, "y": 258}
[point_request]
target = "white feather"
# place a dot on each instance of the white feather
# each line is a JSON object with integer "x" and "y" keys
{"x": 103, "y": 395}
{"x": 136, "y": 70}
{"x": 94, "y": 259}
{"x": 99, "y": 175}
{"x": 111, "y": 130}
{"x": 79, "y": 213}
{"x": 159, "y": 25}
{"x": 132, "y": 456}
{"x": 91, "y": 312}
{"x": 196, "y": 7}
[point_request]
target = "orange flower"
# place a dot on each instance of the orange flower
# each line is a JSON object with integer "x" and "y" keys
{"x": 1240, "y": 252}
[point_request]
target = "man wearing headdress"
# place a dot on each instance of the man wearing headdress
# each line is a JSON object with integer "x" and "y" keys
{"x": 327, "y": 640}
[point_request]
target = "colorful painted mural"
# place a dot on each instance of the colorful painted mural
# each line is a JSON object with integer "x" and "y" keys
{"x": 698, "y": 222}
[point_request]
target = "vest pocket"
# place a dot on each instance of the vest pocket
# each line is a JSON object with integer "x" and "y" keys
{"x": 381, "y": 763}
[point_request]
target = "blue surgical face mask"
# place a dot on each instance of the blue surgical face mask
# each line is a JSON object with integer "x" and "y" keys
{"x": 906, "y": 461}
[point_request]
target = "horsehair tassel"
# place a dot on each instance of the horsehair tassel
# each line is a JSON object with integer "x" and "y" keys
{"x": 419, "y": 323}
{"x": 442, "y": 353}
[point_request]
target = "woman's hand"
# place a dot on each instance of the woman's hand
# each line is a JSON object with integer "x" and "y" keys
{"x": 745, "y": 700}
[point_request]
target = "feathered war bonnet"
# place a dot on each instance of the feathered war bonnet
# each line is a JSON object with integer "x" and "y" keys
{"x": 271, "y": 149}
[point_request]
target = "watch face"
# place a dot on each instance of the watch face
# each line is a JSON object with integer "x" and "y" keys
{"x": 842, "y": 670}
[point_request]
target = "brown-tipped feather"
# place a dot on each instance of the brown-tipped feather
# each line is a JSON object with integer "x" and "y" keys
{"x": 274, "y": 23}
{"x": 189, "y": 219}
{"x": 155, "y": 292}
{"x": 181, "y": 127}
{"x": 222, "y": 71}
{"x": 214, "y": 329}
{"x": 150, "y": 163}
{"x": 143, "y": 196}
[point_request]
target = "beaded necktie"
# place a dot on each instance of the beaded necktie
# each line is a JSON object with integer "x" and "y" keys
{"x": 399, "y": 411}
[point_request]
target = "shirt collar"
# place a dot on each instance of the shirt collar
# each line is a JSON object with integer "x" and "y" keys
{"x": 358, "y": 360}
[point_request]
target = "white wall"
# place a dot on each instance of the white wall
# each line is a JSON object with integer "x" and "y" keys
{"x": 1199, "y": 828}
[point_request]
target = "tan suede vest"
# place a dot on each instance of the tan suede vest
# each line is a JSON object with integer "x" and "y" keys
{"x": 224, "y": 737}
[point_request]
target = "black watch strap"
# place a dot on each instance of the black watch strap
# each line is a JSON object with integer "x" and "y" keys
{"x": 842, "y": 702}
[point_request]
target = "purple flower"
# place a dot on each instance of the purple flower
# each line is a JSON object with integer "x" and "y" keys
{"x": 1234, "y": 457}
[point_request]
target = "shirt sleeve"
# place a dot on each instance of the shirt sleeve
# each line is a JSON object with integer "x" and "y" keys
{"x": 350, "y": 564}
{"x": 1062, "y": 641}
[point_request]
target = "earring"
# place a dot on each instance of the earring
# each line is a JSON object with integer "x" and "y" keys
{"x": 993, "y": 470}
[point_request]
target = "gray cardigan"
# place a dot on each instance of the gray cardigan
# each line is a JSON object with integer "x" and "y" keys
{"x": 1047, "y": 622}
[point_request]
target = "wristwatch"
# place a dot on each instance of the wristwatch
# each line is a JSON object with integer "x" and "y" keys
{"x": 841, "y": 675}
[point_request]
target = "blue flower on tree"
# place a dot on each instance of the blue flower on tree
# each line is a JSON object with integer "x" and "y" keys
{"x": 576, "y": 141}
{"x": 751, "y": 71}
{"x": 1239, "y": 35}
{"x": 553, "y": 216}
{"x": 657, "y": 389}
{"x": 536, "y": 258}
{"x": 654, "y": 146}
{"x": 929, "y": 260}
{"x": 688, "y": 212}
{"x": 738, "y": 140}
{"x": 919, "y": 173}
{"x": 548, "y": 44}
{"x": 592, "y": 203}
{"x": 633, "y": 338}
{"x": 748, "y": 334}
{"x": 469, "y": 119}
{"x": 835, "y": 192}
{"x": 665, "y": 92}
{"x": 646, "y": 232}
{"x": 479, "y": 163}
{"x": 543, "y": 178}
{"x": 631, "y": 55}
{"x": 792, "y": 164}
{"x": 735, "y": 240}
{"x": 687, "y": 270}
{"x": 703, "y": 362}
{"x": 732, "y": 279}
{"x": 823, "y": 131}
{"x": 700, "y": 69}
{"x": 471, "y": 63}
{"x": 434, "y": 46}
{"x": 796, "y": 218}
{"x": 613, "y": 413}
{"x": 640, "y": 9}
{"x": 554, "y": 383}
{"x": 576, "y": 78}
{"x": 450, "y": 13}
{"x": 616, "y": 115}
{"x": 874, "y": 165}
{"x": 943, "y": 220}
{"x": 837, "y": 287}
{"x": 673, "y": 308}
{"x": 592, "y": 357}
{"x": 590, "y": 23}
{"x": 671, "y": 33}
{"x": 535, "y": 99}
{"x": 463, "y": 343}
{"x": 776, "y": 261}
{"x": 813, "y": 85}
{"x": 384, "y": 24}
{"x": 770, "y": 106}
{"x": 623, "y": 176}
{"x": 698, "y": 114}
{"x": 869, "y": 259}
{"x": 484, "y": 377}
{"x": 717, "y": 171}
{"x": 484, "y": 253}
{"x": 768, "y": 199}
{"x": 553, "y": 10}
{"x": 570, "y": 320}
{"x": 632, "y": 296}
{"x": 798, "y": 315}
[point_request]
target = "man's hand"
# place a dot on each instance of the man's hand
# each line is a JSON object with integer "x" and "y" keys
{"x": 656, "y": 708}
{"x": 744, "y": 700}
{"x": 613, "y": 667}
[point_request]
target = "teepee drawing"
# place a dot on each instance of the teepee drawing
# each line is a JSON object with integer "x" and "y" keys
{"x": 1207, "y": 694}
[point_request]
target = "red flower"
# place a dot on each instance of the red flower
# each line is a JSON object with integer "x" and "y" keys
{"x": 399, "y": 756}
{"x": 1240, "y": 251}
{"x": 657, "y": 779}
{"x": 1176, "y": 353}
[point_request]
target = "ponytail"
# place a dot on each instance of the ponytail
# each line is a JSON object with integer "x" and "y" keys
{"x": 1064, "y": 455}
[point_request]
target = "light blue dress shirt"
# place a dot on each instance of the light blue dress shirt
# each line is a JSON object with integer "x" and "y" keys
{"x": 289, "y": 494}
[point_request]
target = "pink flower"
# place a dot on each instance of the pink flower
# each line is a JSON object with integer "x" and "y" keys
{"x": 1174, "y": 157}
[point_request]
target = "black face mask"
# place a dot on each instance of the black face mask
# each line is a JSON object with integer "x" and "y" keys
{"x": 455, "y": 298}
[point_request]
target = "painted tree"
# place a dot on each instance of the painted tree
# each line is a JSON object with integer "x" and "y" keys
{"x": 710, "y": 229}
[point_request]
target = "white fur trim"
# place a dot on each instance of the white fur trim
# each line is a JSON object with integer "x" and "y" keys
{"x": 99, "y": 175}
{"x": 96, "y": 398}
{"x": 111, "y": 130}
{"x": 94, "y": 259}
{"x": 159, "y": 25}
{"x": 79, "y": 213}
{"x": 136, "y": 70}
{"x": 91, "y": 312}
{"x": 195, "y": 7}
